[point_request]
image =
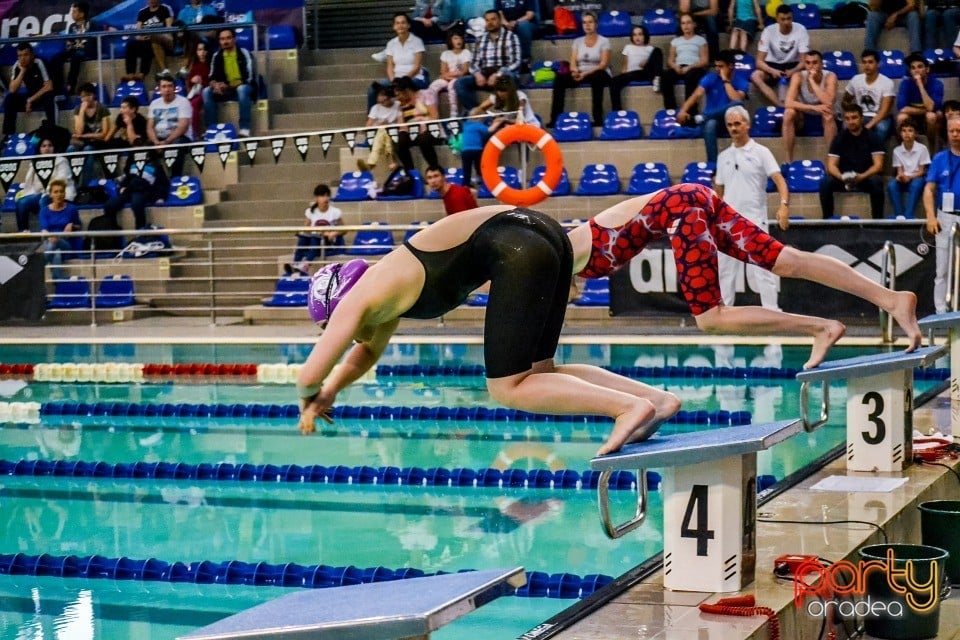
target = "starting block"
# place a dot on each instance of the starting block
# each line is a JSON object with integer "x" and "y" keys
{"x": 709, "y": 501}
{"x": 879, "y": 405}
{"x": 950, "y": 322}
{"x": 409, "y": 609}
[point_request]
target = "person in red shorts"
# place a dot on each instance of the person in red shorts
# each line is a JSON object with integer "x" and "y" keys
{"x": 699, "y": 225}
{"x": 455, "y": 197}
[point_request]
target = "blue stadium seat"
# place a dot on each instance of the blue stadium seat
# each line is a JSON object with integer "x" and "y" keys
{"x": 372, "y": 241}
{"x": 185, "y": 191}
{"x": 10, "y": 199}
{"x": 71, "y": 294}
{"x": 221, "y": 132}
{"x": 281, "y": 36}
{"x": 596, "y": 293}
{"x": 614, "y": 24}
{"x": 19, "y": 144}
{"x": 563, "y": 189}
{"x": 701, "y": 172}
{"x": 941, "y": 61}
{"x": 291, "y": 291}
{"x": 115, "y": 48}
{"x": 841, "y": 63}
{"x": 767, "y": 123}
{"x": 108, "y": 185}
{"x": 508, "y": 174}
{"x": 743, "y": 66}
{"x": 648, "y": 177}
{"x": 133, "y": 88}
{"x": 178, "y": 89}
{"x": 621, "y": 125}
{"x": 892, "y": 64}
{"x": 812, "y": 125}
{"x": 115, "y": 291}
{"x": 478, "y": 300}
{"x": 804, "y": 176}
{"x": 665, "y": 126}
{"x": 245, "y": 38}
{"x": 598, "y": 180}
{"x": 420, "y": 225}
{"x": 354, "y": 187}
{"x": 417, "y": 188}
{"x": 660, "y": 22}
{"x": 454, "y": 175}
{"x": 574, "y": 126}
{"x": 808, "y": 15}
{"x": 46, "y": 49}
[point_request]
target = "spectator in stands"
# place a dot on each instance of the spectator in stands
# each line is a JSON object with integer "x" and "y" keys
{"x": 885, "y": 14}
{"x": 745, "y": 17}
{"x": 233, "y": 76}
{"x": 910, "y": 162}
{"x": 130, "y": 128}
{"x": 941, "y": 18}
{"x": 193, "y": 13}
{"x": 141, "y": 50}
{"x": 454, "y": 64}
{"x": 29, "y": 74}
{"x": 92, "y": 128}
{"x": 941, "y": 206}
{"x": 642, "y": 62}
{"x": 722, "y": 89}
{"x": 875, "y": 94}
{"x": 920, "y": 98}
{"x": 433, "y": 19}
{"x": 496, "y": 53}
{"x": 854, "y": 163}
{"x": 704, "y": 13}
{"x": 779, "y": 54}
{"x": 75, "y": 52}
{"x": 688, "y": 60}
{"x": 58, "y": 216}
{"x": 169, "y": 118}
{"x": 812, "y": 92}
{"x": 589, "y": 64}
{"x": 455, "y": 197}
{"x": 504, "y": 103}
{"x": 741, "y": 180}
{"x": 413, "y": 109}
{"x": 386, "y": 111}
{"x": 33, "y": 194}
{"x": 520, "y": 17}
{"x": 138, "y": 187}
{"x": 196, "y": 79}
{"x": 473, "y": 138}
{"x": 319, "y": 214}
{"x": 404, "y": 58}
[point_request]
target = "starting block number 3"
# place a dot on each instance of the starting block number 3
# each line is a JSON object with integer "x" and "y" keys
{"x": 880, "y": 422}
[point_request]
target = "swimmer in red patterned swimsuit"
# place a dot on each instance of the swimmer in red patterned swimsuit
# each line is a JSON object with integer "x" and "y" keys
{"x": 699, "y": 225}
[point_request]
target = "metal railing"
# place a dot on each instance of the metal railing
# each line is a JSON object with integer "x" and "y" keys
{"x": 888, "y": 279}
{"x": 953, "y": 268}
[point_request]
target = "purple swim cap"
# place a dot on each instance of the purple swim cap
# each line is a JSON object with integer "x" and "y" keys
{"x": 330, "y": 284}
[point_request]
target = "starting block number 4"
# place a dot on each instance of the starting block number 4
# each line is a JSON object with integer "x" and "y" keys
{"x": 880, "y": 422}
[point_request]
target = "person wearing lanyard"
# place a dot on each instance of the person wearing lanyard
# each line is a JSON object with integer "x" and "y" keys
{"x": 741, "y": 180}
{"x": 943, "y": 186}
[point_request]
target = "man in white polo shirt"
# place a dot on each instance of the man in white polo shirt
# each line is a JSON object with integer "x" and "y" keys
{"x": 741, "y": 180}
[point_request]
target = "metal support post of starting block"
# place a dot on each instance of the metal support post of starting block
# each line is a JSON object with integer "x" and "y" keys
{"x": 879, "y": 405}
{"x": 709, "y": 501}
{"x": 950, "y": 322}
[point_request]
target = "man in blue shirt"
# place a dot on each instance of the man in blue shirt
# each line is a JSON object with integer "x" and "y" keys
{"x": 941, "y": 203}
{"x": 723, "y": 89}
{"x": 520, "y": 17}
{"x": 921, "y": 98}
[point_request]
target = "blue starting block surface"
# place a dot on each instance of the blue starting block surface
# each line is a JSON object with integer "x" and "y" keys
{"x": 940, "y": 321}
{"x": 378, "y": 611}
{"x": 872, "y": 365}
{"x": 700, "y": 446}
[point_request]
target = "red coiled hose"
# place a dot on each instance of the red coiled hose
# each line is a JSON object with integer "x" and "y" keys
{"x": 744, "y": 606}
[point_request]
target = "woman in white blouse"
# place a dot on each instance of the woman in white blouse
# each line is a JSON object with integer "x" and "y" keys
{"x": 404, "y": 58}
{"x": 688, "y": 61}
{"x": 590, "y": 64}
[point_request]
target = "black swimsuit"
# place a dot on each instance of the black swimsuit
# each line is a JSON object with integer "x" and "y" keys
{"x": 529, "y": 262}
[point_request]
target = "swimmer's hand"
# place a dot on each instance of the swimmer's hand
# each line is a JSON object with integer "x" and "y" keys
{"x": 319, "y": 406}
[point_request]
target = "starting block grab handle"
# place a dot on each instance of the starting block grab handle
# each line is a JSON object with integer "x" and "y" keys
{"x": 809, "y": 426}
{"x": 603, "y": 502}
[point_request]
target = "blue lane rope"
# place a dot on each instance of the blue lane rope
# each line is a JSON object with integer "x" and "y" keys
{"x": 539, "y": 584}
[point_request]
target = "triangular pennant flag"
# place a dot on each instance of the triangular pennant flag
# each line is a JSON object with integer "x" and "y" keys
{"x": 250, "y": 146}
{"x": 76, "y": 165}
{"x": 199, "y": 155}
{"x": 365, "y": 135}
{"x": 454, "y": 126}
{"x": 434, "y": 129}
{"x": 276, "y": 145}
{"x": 8, "y": 171}
{"x": 351, "y": 138}
{"x": 223, "y": 150}
{"x": 414, "y": 132}
{"x": 43, "y": 167}
{"x": 394, "y": 134}
{"x": 140, "y": 160}
{"x": 325, "y": 140}
{"x": 303, "y": 145}
{"x": 170, "y": 157}
{"x": 110, "y": 162}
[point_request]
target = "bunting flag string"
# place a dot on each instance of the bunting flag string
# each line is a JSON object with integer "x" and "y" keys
{"x": 434, "y": 129}
{"x": 303, "y": 145}
{"x": 277, "y": 145}
{"x": 170, "y": 157}
{"x": 199, "y": 155}
{"x": 223, "y": 150}
{"x": 76, "y": 166}
{"x": 351, "y": 138}
{"x": 414, "y": 133}
{"x": 140, "y": 160}
{"x": 454, "y": 127}
{"x": 325, "y": 140}
{"x": 43, "y": 168}
{"x": 394, "y": 133}
{"x": 110, "y": 162}
{"x": 8, "y": 171}
{"x": 251, "y": 146}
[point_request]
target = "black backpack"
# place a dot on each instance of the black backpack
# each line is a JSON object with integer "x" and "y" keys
{"x": 113, "y": 244}
{"x": 398, "y": 183}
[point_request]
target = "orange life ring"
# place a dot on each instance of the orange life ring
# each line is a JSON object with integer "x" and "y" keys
{"x": 490, "y": 162}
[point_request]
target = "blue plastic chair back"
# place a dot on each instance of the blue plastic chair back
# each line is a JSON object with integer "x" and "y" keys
{"x": 699, "y": 172}
{"x": 290, "y": 291}
{"x": 115, "y": 291}
{"x": 574, "y": 126}
{"x": 372, "y": 242}
{"x": 47, "y": 49}
{"x": 621, "y": 125}
{"x": 808, "y": 15}
{"x": 599, "y": 180}
{"x": 19, "y": 144}
{"x": 767, "y": 123}
{"x": 509, "y": 175}
{"x": 614, "y": 24}
{"x": 804, "y": 176}
{"x": 648, "y": 177}
{"x": 185, "y": 191}
{"x": 743, "y": 66}
{"x": 245, "y": 38}
{"x": 71, "y": 294}
{"x": 133, "y": 88}
{"x": 596, "y": 293}
{"x": 841, "y": 63}
{"x": 665, "y": 126}
{"x": 354, "y": 186}
{"x": 941, "y": 61}
{"x": 417, "y": 192}
{"x": 660, "y": 22}
{"x": 10, "y": 199}
{"x": 222, "y": 132}
{"x": 812, "y": 125}
{"x": 563, "y": 189}
{"x": 281, "y": 36}
{"x": 453, "y": 175}
{"x": 892, "y": 64}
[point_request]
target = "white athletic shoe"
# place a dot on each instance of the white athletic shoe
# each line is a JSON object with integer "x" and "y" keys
{"x": 244, "y": 133}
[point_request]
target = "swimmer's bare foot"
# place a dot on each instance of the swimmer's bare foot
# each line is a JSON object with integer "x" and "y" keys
{"x": 667, "y": 405}
{"x": 626, "y": 424}
{"x": 904, "y": 311}
{"x": 826, "y": 336}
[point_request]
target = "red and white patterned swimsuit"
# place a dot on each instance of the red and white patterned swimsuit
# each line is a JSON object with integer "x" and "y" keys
{"x": 699, "y": 224}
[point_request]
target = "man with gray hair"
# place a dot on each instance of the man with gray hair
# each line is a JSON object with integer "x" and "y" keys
{"x": 741, "y": 180}
{"x": 941, "y": 204}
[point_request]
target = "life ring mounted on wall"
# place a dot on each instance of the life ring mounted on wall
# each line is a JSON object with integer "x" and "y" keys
{"x": 490, "y": 163}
